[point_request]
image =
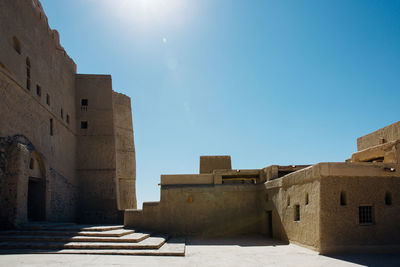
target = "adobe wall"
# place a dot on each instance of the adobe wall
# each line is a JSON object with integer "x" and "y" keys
{"x": 363, "y": 184}
{"x": 384, "y": 135}
{"x": 205, "y": 210}
{"x": 125, "y": 152}
{"x": 24, "y": 112}
{"x": 97, "y": 154}
{"x": 281, "y": 197}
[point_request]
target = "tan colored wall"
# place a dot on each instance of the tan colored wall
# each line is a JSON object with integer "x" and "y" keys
{"x": 210, "y": 163}
{"x": 23, "y": 112}
{"x": 363, "y": 185}
{"x": 97, "y": 155}
{"x": 82, "y": 172}
{"x": 295, "y": 186}
{"x": 201, "y": 210}
{"x": 386, "y": 134}
{"x": 125, "y": 152}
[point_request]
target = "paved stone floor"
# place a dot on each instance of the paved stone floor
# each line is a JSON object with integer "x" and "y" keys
{"x": 239, "y": 251}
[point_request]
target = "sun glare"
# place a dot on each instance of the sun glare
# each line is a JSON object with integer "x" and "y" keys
{"x": 140, "y": 11}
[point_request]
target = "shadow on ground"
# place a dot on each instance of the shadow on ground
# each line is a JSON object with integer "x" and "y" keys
{"x": 242, "y": 241}
{"x": 370, "y": 259}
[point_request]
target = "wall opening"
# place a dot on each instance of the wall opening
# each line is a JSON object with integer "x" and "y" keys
{"x": 51, "y": 127}
{"x": 269, "y": 223}
{"x": 388, "y": 199}
{"x": 343, "y": 200}
{"x": 84, "y": 104}
{"x": 31, "y": 164}
{"x": 48, "y": 99}
{"x": 297, "y": 213}
{"x": 28, "y": 73}
{"x": 307, "y": 200}
{"x": 84, "y": 124}
{"x": 288, "y": 201}
{"x": 67, "y": 118}
{"x": 36, "y": 199}
{"x": 62, "y": 114}
{"x": 38, "y": 90}
{"x": 17, "y": 45}
{"x": 365, "y": 215}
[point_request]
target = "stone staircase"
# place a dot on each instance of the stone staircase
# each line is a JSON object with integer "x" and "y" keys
{"x": 70, "y": 238}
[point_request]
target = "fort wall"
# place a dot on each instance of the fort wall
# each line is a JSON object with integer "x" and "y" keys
{"x": 41, "y": 108}
{"x": 381, "y": 136}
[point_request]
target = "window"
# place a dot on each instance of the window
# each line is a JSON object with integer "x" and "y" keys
{"x": 365, "y": 214}
{"x": 47, "y": 99}
{"x": 51, "y": 127}
{"x": 288, "y": 201}
{"x": 67, "y": 118}
{"x": 28, "y": 73}
{"x": 307, "y": 199}
{"x": 31, "y": 164}
{"x": 84, "y": 124}
{"x": 297, "y": 213}
{"x": 388, "y": 199}
{"x": 38, "y": 90}
{"x": 17, "y": 45}
{"x": 84, "y": 104}
{"x": 343, "y": 200}
{"x": 62, "y": 114}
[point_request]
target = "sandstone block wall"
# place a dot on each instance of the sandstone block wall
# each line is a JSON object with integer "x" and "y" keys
{"x": 41, "y": 102}
{"x": 125, "y": 152}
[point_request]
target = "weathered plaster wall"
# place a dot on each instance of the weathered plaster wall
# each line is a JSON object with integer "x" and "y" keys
{"x": 281, "y": 197}
{"x": 210, "y": 163}
{"x": 97, "y": 155}
{"x": 384, "y": 135}
{"x": 125, "y": 152}
{"x": 207, "y": 210}
{"x": 363, "y": 185}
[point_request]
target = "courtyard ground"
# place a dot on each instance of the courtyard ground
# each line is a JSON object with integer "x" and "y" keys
{"x": 238, "y": 251}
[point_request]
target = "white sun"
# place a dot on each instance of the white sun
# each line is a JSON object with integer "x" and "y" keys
{"x": 140, "y": 11}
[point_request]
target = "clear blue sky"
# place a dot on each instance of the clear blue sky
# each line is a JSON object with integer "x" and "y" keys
{"x": 267, "y": 82}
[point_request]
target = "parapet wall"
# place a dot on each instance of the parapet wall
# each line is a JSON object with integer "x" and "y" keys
{"x": 381, "y": 136}
{"x": 202, "y": 210}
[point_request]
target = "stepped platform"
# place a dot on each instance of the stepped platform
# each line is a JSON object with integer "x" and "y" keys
{"x": 69, "y": 238}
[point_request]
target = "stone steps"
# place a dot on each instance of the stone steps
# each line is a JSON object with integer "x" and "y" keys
{"x": 133, "y": 238}
{"x": 148, "y": 243}
{"x": 174, "y": 247}
{"x": 110, "y": 233}
{"x": 87, "y": 239}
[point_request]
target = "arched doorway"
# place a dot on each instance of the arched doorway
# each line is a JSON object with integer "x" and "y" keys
{"x": 36, "y": 206}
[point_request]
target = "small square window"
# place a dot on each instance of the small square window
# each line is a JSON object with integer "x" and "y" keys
{"x": 84, "y": 124}
{"x": 38, "y": 90}
{"x": 365, "y": 214}
{"x": 85, "y": 102}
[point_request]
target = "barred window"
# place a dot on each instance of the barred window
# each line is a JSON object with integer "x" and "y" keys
{"x": 365, "y": 214}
